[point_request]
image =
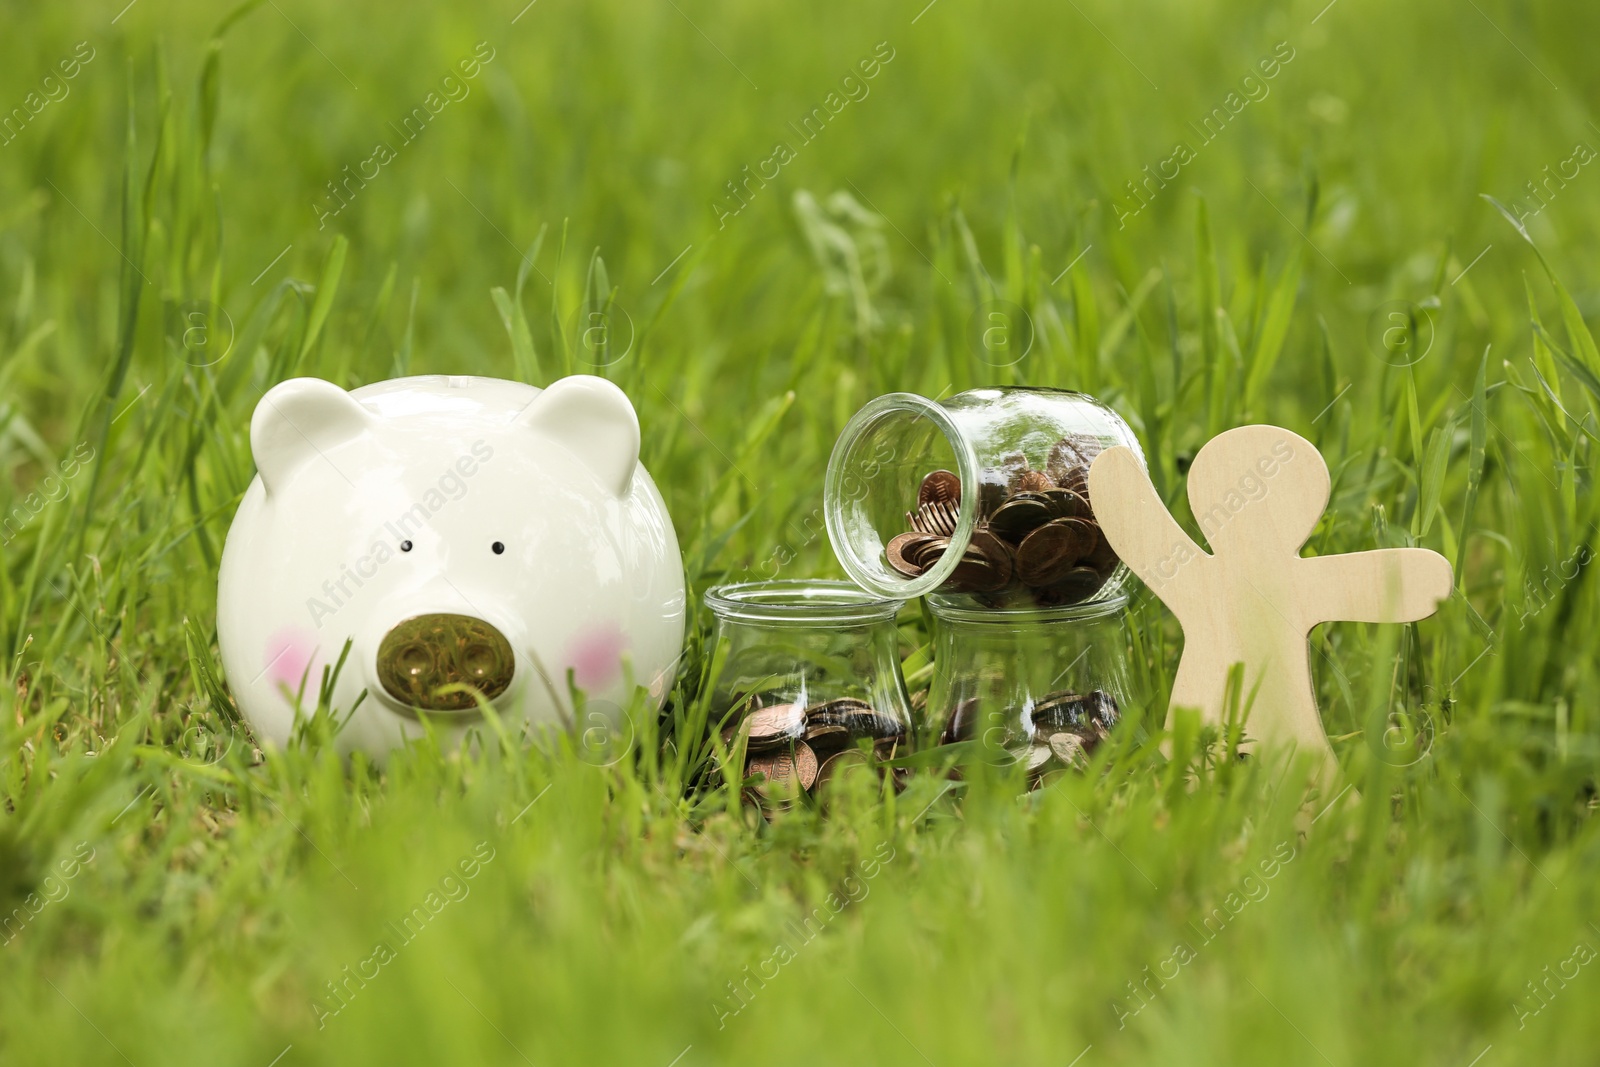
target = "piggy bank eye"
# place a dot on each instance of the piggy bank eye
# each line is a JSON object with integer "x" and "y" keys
{"x": 405, "y": 546}
{"x": 498, "y": 547}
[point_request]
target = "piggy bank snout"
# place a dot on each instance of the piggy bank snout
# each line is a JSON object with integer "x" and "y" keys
{"x": 427, "y": 653}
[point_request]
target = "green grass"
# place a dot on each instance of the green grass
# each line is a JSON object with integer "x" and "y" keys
{"x": 226, "y": 889}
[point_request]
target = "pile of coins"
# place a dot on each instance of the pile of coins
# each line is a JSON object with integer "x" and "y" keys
{"x": 791, "y": 747}
{"x": 1064, "y": 730}
{"x": 1035, "y": 530}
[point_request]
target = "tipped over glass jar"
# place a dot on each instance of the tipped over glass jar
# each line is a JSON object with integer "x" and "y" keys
{"x": 982, "y": 503}
{"x": 983, "y": 495}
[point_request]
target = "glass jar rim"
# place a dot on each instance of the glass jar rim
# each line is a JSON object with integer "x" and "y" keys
{"x": 890, "y": 405}
{"x": 800, "y": 600}
{"x": 960, "y": 608}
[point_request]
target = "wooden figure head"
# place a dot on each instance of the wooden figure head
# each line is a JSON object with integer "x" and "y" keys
{"x": 1258, "y": 488}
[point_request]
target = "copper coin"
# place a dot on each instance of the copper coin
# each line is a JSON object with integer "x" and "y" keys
{"x": 837, "y": 706}
{"x": 805, "y": 762}
{"x": 973, "y": 575}
{"x": 1084, "y": 531}
{"x": 859, "y": 720}
{"x": 1077, "y": 449}
{"x": 1031, "y": 481}
{"x": 1062, "y": 460}
{"x": 1079, "y": 584}
{"x": 1068, "y": 748}
{"x": 1102, "y": 557}
{"x": 901, "y": 551}
{"x": 1061, "y": 710}
{"x": 990, "y": 547}
{"x": 773, "y": 767}
{"x": 783, "y": 770}
{"x": 1088, "y": 735}
{"x": 1047, "y": 554}
{"x": 823, "y": 730}
{"x": 985, "y": 567}
{"x": 826, "y": 735}
{"x": 926, "y": 553}
{"x": 879, "y": 727}
{"x": 776, "y": 725}
{"x": 1104, "y": 709}
{"x": 1066, "y": 504}
{"x": 938, "y": 518}
{"x": 1034, "y": 757}
{"x": 940, "y": 487}
{"x": 1077, "y": 481}
{"x": 1048, "y": 596}
{"x": 805, "y": 765}
{"x": 1019, "y": 516}
{"x": 838, "y": 765}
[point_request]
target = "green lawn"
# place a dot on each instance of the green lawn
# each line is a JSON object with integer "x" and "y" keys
{"x": 185, "y": 899}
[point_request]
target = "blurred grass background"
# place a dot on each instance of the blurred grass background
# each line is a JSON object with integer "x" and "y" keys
{"x": 1449, "y": 914}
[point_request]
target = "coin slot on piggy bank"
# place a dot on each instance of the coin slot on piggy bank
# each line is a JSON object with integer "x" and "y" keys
{"x": 808, "y": 691}
{"x": 984, "y": 495}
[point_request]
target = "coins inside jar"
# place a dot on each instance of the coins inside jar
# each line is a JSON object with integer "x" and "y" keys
{"x": 793, "y": 748}
{"x": 1035, "y": 530}
{"x": 781, "y": 775}
{"x": 1062, "y": 730}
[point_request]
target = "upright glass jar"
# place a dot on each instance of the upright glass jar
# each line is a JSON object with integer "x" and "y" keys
{"x": 985, "y": 494}
{"x": 808, "y": 683}
{"x": 1041, "y": 687}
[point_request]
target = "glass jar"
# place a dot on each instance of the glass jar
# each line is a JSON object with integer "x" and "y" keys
{"x": 985, "y": 494}
{"x": 1041, "y": 687}
{"x": 807, "y": 683}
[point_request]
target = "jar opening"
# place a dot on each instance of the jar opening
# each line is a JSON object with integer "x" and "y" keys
{"x": 895, "y": 438}
{"x": 798, "y": 601}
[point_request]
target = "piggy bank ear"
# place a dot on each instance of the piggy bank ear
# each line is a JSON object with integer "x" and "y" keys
{"x": 298, "y": 420}
{"x": 594, "y": 421}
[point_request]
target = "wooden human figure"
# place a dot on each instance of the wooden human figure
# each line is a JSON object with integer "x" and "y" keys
{"x": 1257, "y": 493}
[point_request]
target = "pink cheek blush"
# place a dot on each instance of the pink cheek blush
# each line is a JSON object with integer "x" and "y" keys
{"x": 596, "y": 657}
{"x": 289, "y": 653}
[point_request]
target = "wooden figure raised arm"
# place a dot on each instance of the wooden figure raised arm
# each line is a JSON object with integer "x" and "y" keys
{"x": 1257, "y": 493}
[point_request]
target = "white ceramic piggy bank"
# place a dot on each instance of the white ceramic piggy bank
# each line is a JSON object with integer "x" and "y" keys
{"x": 466, "y": 534}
